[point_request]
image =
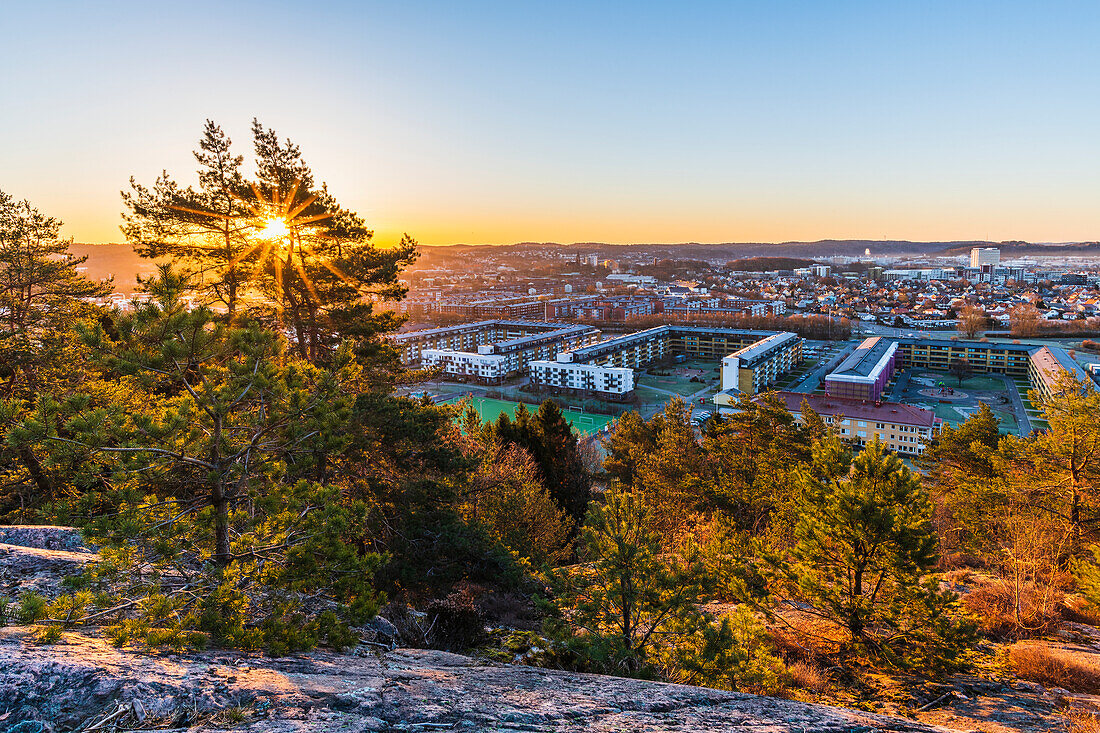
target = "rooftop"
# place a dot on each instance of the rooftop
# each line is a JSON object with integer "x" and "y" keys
{"x": 892, "y": 412}
{"x": 864, "y": 361}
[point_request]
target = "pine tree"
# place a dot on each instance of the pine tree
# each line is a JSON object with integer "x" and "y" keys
{"x": 1063, "y": 463}
{"x": 550, "y": 440}
{"x": 205, "y": 232}
{"x": 864, "y": 552}
{"x": 42, "y": 295}
{"x": 752, "y": 456}
{"x": 674, "y": 479}
{"x": 629, "y": 445}
{"x": 42, "y": 292}
{"x": 628, "y": 601}
{"x": 280, "y": 247}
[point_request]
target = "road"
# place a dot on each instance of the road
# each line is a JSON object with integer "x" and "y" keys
{"x": 1023, "y": 423}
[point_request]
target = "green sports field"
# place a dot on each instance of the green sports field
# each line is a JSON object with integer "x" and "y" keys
{"x": 584, "y": 423}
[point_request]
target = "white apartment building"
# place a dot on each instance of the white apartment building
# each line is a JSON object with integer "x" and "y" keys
{"x": 466, "y": 364}
{"x": 612, "y": 381}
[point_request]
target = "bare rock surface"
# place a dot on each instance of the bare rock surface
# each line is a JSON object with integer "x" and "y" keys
{"x": 83, "y": 682}
{"x": 38, "y": 558}
{"x": 43, "y": 537}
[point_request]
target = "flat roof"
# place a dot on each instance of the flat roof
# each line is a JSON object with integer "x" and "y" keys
{"x": 754, "y": 352}
{"x": 894, "y": 412}
{"x": 480, "y": 326}
{"x": 963, "y": 344}
{"x": 1050, "y": 360}
{"x": 865, "y": 357}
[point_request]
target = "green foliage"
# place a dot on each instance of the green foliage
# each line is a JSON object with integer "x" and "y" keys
{"x": 4, "y": 603}
{"x": 71, "y": 608}
{"x": 45, "y": 634}
{"x": 32, "y": 607}
{"x": 313, "y": 277}
{"x": 548, "y": 437}
{"x": 628, "y": 608}
{"x": 734, "y": 654}
{"x": 865, "y": 547}
{"x": 508, "y": 499}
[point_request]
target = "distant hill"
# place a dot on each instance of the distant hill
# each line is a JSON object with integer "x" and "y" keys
{"x": 114, "y": 260}
{"x": 1029, "y": 249}
{"x": 730, "y": 250}
{"x": 764, "y": 264}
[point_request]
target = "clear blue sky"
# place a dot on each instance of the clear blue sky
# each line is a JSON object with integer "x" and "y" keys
{"x": 631, "y": 122}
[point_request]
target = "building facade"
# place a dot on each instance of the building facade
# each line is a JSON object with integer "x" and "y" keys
{"x": 901, "y": 428}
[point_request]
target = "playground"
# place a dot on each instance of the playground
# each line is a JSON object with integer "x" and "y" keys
{"x": 676, "y": 379}
{"x": 954, "y": 404}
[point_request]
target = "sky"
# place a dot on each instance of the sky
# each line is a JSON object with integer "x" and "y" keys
{"x": 497, "y": 122}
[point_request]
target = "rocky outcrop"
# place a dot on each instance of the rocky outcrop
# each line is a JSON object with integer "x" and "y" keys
{"x": 43, "y": 537}
{"x": 38, "y": 559}
{"x": 83, "y": 681}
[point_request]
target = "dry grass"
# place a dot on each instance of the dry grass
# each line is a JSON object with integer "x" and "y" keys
{"x": 1079, "y": 610}
{"x": 1056, "y": 667}
{"x": 1081, "y": 722}
{"x": 808, "y": 676}
{"x": 993, "y": 604}
{"x": 807, "y": 638}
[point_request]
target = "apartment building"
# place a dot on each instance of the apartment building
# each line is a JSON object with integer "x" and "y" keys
{"x": 472, "y": 366}
{"x": 901, "y": 428}
{"x": 762, "y": 355}
{"x": 521, "y": 341}
{"x": 863, "y": 375}
{"x": 614, "y": 382}
{"x": 758, "y": 365}
{"x": 1046, "y": 364}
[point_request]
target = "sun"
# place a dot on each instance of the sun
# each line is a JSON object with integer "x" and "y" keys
{"x": 273, "y": 228}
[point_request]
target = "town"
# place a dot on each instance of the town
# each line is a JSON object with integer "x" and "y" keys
{"x": 891, "y": 347}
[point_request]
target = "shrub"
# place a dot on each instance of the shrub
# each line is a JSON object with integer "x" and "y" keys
{"x": 71, "y": 608}
{"x": 32, "y": 607}
{"x": 1056, "y": 667}
{"x": 734, "y": 654}
{"x": 993, "y": 604}
{"x": 807, "y": 676}
{"x": 455, "y": 623}
{"x": 806, "y": 638}
{"x": 1083, "y": 722}
{"x": 45, "y": 634}
{"x": 1080, "y": 611}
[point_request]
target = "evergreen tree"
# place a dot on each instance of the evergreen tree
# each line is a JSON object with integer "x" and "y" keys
{"x": 226, "y": 414}
{"x": 628, "y": 601}
{"x": 550, "y": 440}
{"x": 42, "y": 296}
{"x": 280, "y": 245}
{"x": 753, "y": 455}
{"x": 864, "y": 550}
{"x": 42, "y": 293}
{"x": 673, "y": 479}
{"x": 1063, "y": 463}
{"x": 205, "y": 232}
{"x": 629, "y": 445}
{"x": 966, "y": 477}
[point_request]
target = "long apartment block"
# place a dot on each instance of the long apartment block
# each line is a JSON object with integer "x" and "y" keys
{"x": 511, "y": 336}
{"x": 761, "y": 357}
{"x": 902, "y": 428}
{"x": 864, "y": 374}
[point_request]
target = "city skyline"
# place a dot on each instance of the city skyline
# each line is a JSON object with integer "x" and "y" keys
{"x": 494, "y": 123}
